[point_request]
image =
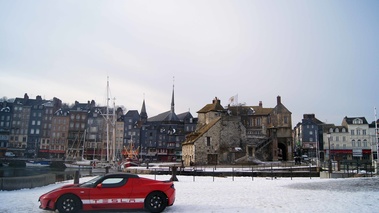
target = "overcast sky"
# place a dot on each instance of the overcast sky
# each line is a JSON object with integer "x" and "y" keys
{"x": 321, "y": 56}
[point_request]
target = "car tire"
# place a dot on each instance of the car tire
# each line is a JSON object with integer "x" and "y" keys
{"x": 68, "y": 204}
{"x": 156, "y": 202}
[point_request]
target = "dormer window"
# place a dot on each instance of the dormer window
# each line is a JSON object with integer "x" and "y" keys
{"x": 357, "y": 121}
{"x": 251, "y": 111}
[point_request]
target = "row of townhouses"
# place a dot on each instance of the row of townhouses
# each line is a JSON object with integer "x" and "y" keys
{"x": 354, "y": 139}
{"x": 49, "y": 129}
{"x": 218, "y": 135}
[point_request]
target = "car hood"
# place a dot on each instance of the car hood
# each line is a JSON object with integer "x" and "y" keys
{"x": 59, "y": 188}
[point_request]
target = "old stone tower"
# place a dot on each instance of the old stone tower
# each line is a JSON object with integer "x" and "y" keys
{"x": 239, "y": 134}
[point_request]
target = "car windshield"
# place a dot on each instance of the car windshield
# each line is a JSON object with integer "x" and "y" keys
{"x": 90, "y": 182}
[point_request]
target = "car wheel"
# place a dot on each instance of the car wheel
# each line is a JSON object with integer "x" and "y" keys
{"x": 156, "y": 202}
{"x": 68, "y": 204}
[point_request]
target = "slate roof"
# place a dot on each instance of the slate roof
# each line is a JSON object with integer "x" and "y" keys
{"x": 184, "y": 116}
{"x": 132, "y": 113}
{"x": 165, "y": 116}
{"x": 249, "y": 110}
{"x": 215, "y": 107}
{"x": 30, "y": 102}
{"x": 194, "y": 136}
{"x": 312, "y": 118}
{"x": 350, "y": 120}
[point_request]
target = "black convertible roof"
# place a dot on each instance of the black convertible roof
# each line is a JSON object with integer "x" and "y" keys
{"x": 123, "y": 175}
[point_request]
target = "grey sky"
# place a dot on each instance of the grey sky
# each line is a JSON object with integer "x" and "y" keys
{"x": 320, "y": 56}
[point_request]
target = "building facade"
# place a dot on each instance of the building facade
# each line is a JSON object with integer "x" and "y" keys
{"x": 308, "y": 137}
{"x": 350, "y": 141}
{"x": 239, "y": 134}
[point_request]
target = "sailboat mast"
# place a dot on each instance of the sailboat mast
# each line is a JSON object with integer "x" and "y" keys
{"x": 376, "y": 140}
{"x": 114, "y": 131}
{"x": 107, "y": 118}
{"x": 84, "y": 142}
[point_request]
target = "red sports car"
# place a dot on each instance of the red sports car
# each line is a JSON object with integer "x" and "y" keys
{"x": 111, "y": 192}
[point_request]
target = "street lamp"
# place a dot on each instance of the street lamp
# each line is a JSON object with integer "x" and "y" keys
{"x": 330, "y": 162}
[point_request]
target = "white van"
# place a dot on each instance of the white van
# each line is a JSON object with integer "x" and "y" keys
{"x": 9, "y": 154}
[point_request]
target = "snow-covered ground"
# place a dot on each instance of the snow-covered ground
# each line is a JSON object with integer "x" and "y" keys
{"x": 243, "y": 194}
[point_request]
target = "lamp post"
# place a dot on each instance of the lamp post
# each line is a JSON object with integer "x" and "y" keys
{"x": 330, "y": 161}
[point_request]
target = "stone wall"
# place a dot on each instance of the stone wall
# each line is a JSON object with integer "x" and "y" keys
{"x": 224, "y": 136}
{"x": 14, "y": 183}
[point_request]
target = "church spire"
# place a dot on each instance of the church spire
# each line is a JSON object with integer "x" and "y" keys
{"x": 143, "y": 110}
{"x": 172, "y": 98}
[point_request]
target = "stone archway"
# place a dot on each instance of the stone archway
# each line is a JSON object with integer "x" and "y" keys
{"x": 282, "y": 152}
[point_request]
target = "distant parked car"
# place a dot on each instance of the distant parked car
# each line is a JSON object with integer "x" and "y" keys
{"x": 305, "y": 158}
{"x": 9, "y": 154}
{"x": 111, "y": 192}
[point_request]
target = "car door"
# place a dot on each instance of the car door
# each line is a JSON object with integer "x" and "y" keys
{"x": 111, "y": 193}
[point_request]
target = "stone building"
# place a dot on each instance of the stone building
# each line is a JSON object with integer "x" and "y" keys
{"x": 240, "y": 134}
{"x": 217, "y": 139}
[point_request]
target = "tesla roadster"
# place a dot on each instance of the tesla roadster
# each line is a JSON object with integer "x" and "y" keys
{"x": 111, "y": 192}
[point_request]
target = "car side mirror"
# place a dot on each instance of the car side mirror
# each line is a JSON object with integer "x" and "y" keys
{"x": 99, "y": 186}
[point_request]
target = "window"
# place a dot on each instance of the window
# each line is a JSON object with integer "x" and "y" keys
{"x": 352, "y": 132}
{"x": 285, "y": 119}
{"x": 113, "y": 182}
{"x": 208, "y": 141}
{"x": 353, "y": 143}
{"x": 363, "y": 132}
{"x": 358, "y": 132}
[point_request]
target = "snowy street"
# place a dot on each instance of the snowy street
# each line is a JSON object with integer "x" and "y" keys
{"x": 244, "y": 194}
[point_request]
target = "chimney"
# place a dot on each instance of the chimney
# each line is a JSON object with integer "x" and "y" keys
{"x": 260, "y": 103}
{"x": 308, "y": 116}
{"x": 278, "y": 100}
{"x": 215, "y": 100}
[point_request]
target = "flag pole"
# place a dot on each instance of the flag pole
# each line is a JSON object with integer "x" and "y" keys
{"x": 376, "y": 142}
